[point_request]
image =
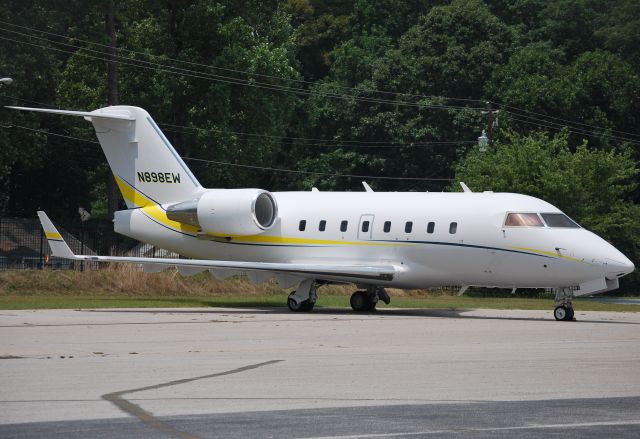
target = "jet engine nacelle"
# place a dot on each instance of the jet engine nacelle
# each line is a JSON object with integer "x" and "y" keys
{"x": 228, "y": 211}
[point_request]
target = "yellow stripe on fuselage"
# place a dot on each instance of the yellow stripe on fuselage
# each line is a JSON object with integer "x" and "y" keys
{"x": 153, "y": 210}
{"x": 270, "y": 239}
{"x": 53, "y": 235}
{"x": 548, "y": 253}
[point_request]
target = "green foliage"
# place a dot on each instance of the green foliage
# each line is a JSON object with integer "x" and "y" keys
{"x": 247, "y": 81}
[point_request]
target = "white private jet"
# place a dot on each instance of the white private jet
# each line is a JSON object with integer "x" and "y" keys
{"x": 372, "y": 239}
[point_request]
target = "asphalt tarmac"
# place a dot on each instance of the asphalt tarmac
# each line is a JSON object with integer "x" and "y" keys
{"x": 199, "y": 373}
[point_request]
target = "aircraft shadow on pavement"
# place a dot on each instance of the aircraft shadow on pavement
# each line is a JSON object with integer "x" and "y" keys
{"x": 382, "y": 312}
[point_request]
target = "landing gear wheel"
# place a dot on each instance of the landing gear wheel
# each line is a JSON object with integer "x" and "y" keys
{"x": 563, "y": 313}
{"x": 304, "y": 306}
{"x": 560, "y": 313}
{"x": 361, "y": 302}
{"x": 358, "y": 301}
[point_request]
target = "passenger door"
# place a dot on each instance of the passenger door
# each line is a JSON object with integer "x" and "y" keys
{"x": 365, "y": 227}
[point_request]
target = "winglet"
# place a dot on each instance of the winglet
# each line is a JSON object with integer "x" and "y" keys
{"x": 59, "y": 248}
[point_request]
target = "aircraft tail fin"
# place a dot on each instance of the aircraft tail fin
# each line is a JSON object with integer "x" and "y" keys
{"x": 146, "y": 167}
{"x": 59, "y": 247}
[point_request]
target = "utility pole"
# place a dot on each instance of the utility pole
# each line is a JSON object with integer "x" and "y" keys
{"x": 490, "y": 112}
{"x": 112, "y": 96}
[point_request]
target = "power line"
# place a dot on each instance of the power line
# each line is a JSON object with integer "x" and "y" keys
{"x": 48, "y": 133}
{"x": 512, "y": 110}
{"x": 504, "y": 106}
{"x": 540, "y": 120}
{"x": 325, "y": 174}
{"x": 263, "y": 168}
{"x": 573, "y": 130}
{"x": 301, "y": 141}
{"x": 231, "y": 80}
{"x": 421, "y": 96}
{"x": 331, "y": 143}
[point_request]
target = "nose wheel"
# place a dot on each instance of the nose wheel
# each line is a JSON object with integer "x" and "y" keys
{"x": 563, "y": 313}
{"x": 564, "y": 307}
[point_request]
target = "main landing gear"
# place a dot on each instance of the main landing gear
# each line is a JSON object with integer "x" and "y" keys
{"x": 564, "y": 307}
{"x": 304, "y": 298}
{"x": 367, "y": 300}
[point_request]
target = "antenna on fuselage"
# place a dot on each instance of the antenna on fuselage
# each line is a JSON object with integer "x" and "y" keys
{"x": 367, "y": 188}
{"x": 465, "y": 188}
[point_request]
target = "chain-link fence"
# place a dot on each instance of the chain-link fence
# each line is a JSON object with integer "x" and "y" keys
{"x": 23, "y": 244}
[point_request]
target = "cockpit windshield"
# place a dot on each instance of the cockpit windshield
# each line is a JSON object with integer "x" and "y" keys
{"x": 559, "y": 220}
{"x": 532, "y": 219}
{"x": 523, "y": 220}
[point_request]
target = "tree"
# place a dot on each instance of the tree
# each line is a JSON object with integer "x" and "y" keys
{"x": 194, "y": 67}
{"x": 607, "y": 89}
{"x": 620, "y": 31}
{"x": 30, "y": 160}
{"x": 448, "y": 52}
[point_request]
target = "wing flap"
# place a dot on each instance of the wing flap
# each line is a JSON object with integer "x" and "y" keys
{"x": 369, "y": 272}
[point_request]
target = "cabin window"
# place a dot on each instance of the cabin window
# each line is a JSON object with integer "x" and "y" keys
{"x": 343, "y": 225}
{"x": 387, "y": 227}
{"x": 431, "y": 226}
{"x": 365, "y": 226}
{"x": 453, "y": 228}
{"x": 322, "y": 225}
{"x": 523, "y": 220}
{"x": 408, "y": 226}
{"x": 559, "y": 220}
{"x": 303, "y": 225}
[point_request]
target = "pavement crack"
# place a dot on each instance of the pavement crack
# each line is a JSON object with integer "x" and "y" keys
{"x": 148, "y": 418}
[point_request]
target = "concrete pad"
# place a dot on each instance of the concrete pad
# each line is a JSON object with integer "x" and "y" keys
{"x": 68, "y": 359}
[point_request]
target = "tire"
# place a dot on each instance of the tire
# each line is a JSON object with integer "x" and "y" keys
{"x": 561, "y": 313}
{"x": 571, "y": 314}
{"x": 304, "y": 306}
{"x": 371, "y": 305}
{"x": 359, "y": 301}
{"x": 293, "y": 305}
{"x": 307, "y": 306}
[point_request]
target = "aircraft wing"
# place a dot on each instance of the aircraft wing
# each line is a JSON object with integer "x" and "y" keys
{"x": 344, "y": 272}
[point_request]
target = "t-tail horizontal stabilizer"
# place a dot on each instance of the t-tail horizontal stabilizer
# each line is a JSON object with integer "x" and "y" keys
{"x": 59, "y": 248}
{"x": 103, "y": 113}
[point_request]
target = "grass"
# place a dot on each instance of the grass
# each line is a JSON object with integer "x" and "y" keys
{"x": 123, "y": 287}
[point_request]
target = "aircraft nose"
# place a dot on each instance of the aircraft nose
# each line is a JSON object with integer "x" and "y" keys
{"x": 618, "y": 267}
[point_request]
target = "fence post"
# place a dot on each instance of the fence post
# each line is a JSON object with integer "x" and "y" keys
{"x": 81, "y": 244}
{"x": 41, "y": 263}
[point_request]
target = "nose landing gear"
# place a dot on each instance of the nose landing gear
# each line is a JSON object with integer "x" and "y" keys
{"x": 564, "y": 307}
{"x": 563, "y": 313}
